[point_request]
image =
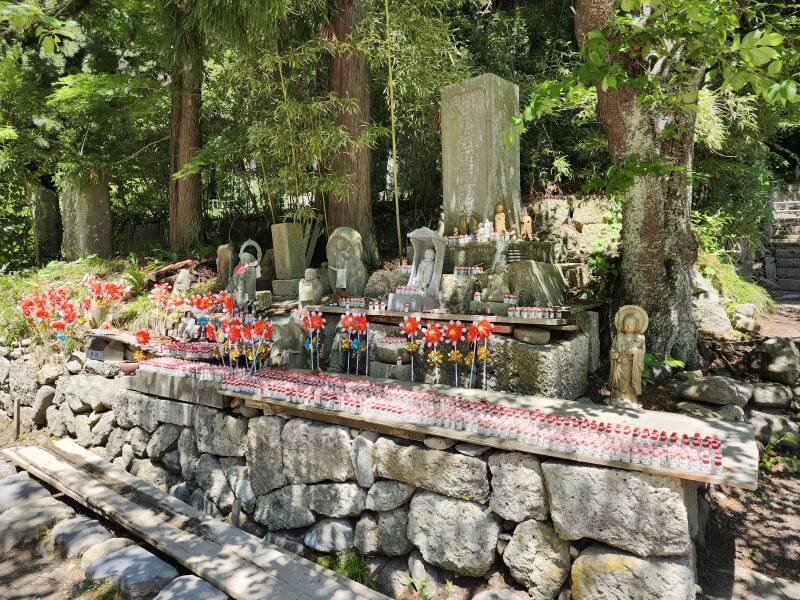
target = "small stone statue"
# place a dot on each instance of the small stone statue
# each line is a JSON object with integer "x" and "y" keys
{"x": 526, "y": 227}
{"x": 440, "y": 228}
{"x": 424, "y": 274}
{"x": 498, "y": 285}
{"x": 462, "y": 225}
{"x": 627, "y": 356}
{"x": 499, "y": 219}
{"x": 242, "y": 283}
{"x": 309, "y": 290}
{"x": 183, "y": 281}
{"x": 347, "y": 274}
{"x": 473, "y": 225}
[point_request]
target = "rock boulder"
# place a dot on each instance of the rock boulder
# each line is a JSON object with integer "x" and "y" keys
{"x": 644, "y": 514}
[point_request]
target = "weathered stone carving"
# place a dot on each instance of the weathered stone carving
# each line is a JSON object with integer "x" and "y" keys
{"x": 309, "y": 290}
{"x": 627, "y": 355}
{"x": 346, "y": 270}
{"x": 242, "y": 283}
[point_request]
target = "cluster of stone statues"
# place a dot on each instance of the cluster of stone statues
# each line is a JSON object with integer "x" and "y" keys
{"x": 483, "y": 231}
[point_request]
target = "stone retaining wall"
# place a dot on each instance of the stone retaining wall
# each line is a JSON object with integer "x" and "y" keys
{"x": 436, "y": 512}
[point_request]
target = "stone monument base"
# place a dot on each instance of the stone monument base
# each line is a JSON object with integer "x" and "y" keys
{"x": 532, "y": 335}
{"x": 387, "y": 371}
{"x": 285, "y": 289}
{"x": 263, "y": 300}
{"x": 479, "y": 307}
{"x": 415, "y": 302}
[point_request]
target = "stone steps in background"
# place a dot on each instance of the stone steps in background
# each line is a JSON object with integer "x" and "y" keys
{"x": 789, "y": 284}
{"x": 786, "y": 273}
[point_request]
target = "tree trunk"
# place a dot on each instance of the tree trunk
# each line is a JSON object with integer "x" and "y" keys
{"x": 86, "y": 217}
{"x": 658, "y": 246}
{"x": 185, "y": 206}
{"x": 47, "y": 228}
{"x": 349, "y": 78}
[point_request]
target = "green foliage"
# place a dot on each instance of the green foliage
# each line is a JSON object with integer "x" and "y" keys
{"x": 16, "y": 241}
{"x": 721, "y": 273}
{"x": 651, "y": 362}
{"x": 347, "y": 563}
{"x": 603, "y": 259}
{"x": 772, "y": 456}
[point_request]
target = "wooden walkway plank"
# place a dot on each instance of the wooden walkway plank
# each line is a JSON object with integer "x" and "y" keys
{"x": 237, "y": 563}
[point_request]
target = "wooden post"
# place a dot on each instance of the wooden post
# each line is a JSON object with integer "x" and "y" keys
{"x": 17, "y": 423}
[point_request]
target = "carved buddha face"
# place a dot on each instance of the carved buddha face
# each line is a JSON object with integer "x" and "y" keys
{"x": 630, "y": 324}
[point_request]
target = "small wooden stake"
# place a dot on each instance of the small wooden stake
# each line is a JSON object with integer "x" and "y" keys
{"x": 17, "y": 424}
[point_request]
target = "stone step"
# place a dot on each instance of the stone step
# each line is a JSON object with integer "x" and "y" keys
{"x": 787, "y": 252}
{"x": 787, "y": 263}
{"x": 789, "y": 284}
{"x": 785, "y": 273}
{"x": 782, "y": 228}
{"x": 786, "y": 240}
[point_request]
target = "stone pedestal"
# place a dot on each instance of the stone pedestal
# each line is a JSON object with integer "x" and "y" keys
{"x": 263, "y": 300}
{"x": 387, "y": 371}
{"x": 478, "y": 169}
{"x": 478, "y": 307}
{"x": 290, "y": 251}
{"x": 285, "y": 289}
{"x": 536, "y": 283}
{"x": 532, "y": 335}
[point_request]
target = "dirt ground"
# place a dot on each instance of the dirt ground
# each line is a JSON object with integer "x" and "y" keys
{"x": 784, "y": 322}
{"x": 751, "y": 531}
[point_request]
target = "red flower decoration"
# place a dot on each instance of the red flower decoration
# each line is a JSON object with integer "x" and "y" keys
{"x": 360, "y": 323}
{"x": 211, "y": 333}
{"x": 472, "y": 334}
{"x": 142, "y": 338}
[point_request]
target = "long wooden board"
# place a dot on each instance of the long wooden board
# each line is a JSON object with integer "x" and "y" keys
{"x": 240, "y": 564}
{"x": 740, "y": 453}
{"x": 396, "y": 316}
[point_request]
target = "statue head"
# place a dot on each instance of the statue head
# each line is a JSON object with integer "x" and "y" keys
{"x": 631, "y": 319}
{"x": 499, "y": 208}
{"x": 310, "y": 275}
{"x": 429, "y": 254}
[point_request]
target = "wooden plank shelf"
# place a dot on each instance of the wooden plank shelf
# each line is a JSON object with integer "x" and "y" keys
{"x": 236, "y": 562}
{"x": 395, "y": 316}
{"x": 740, "y": 453}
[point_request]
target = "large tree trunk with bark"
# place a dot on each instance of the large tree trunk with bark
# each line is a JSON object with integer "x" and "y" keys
{"x": 86, "y": 217}
{"x": 349, "y": 78}
{"x": 185, "y": 205}
{"x": 658, "y": 246}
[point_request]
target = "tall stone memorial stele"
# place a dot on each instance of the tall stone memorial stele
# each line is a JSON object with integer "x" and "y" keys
{"x": 346, "y": 271}
{"x": 422, "y": 291}
{"x": 290, "y": 251}
{"x": 290, "y": 259}
{"x": 627, "y": 356}
{"x": 478, "y": 170}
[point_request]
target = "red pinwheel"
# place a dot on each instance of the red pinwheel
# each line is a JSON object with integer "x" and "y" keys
{"x": 410, "y": 326}
{"x": 211, "y": 333}
{"x": 454, "y": 332}
{"x": 142, "y": 338}
{"x": 432, "y": 334}
{"x": 360, "y": 323}
{"x": 484, "y": 328}
{"x": 347, "y": 322}
{"x": 472, "y": 334}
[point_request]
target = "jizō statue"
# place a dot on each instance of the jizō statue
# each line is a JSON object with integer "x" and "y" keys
{"x": 425, "y": 269}
{"x": 627, "y": 355}
{"x": 242, "y": 283}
